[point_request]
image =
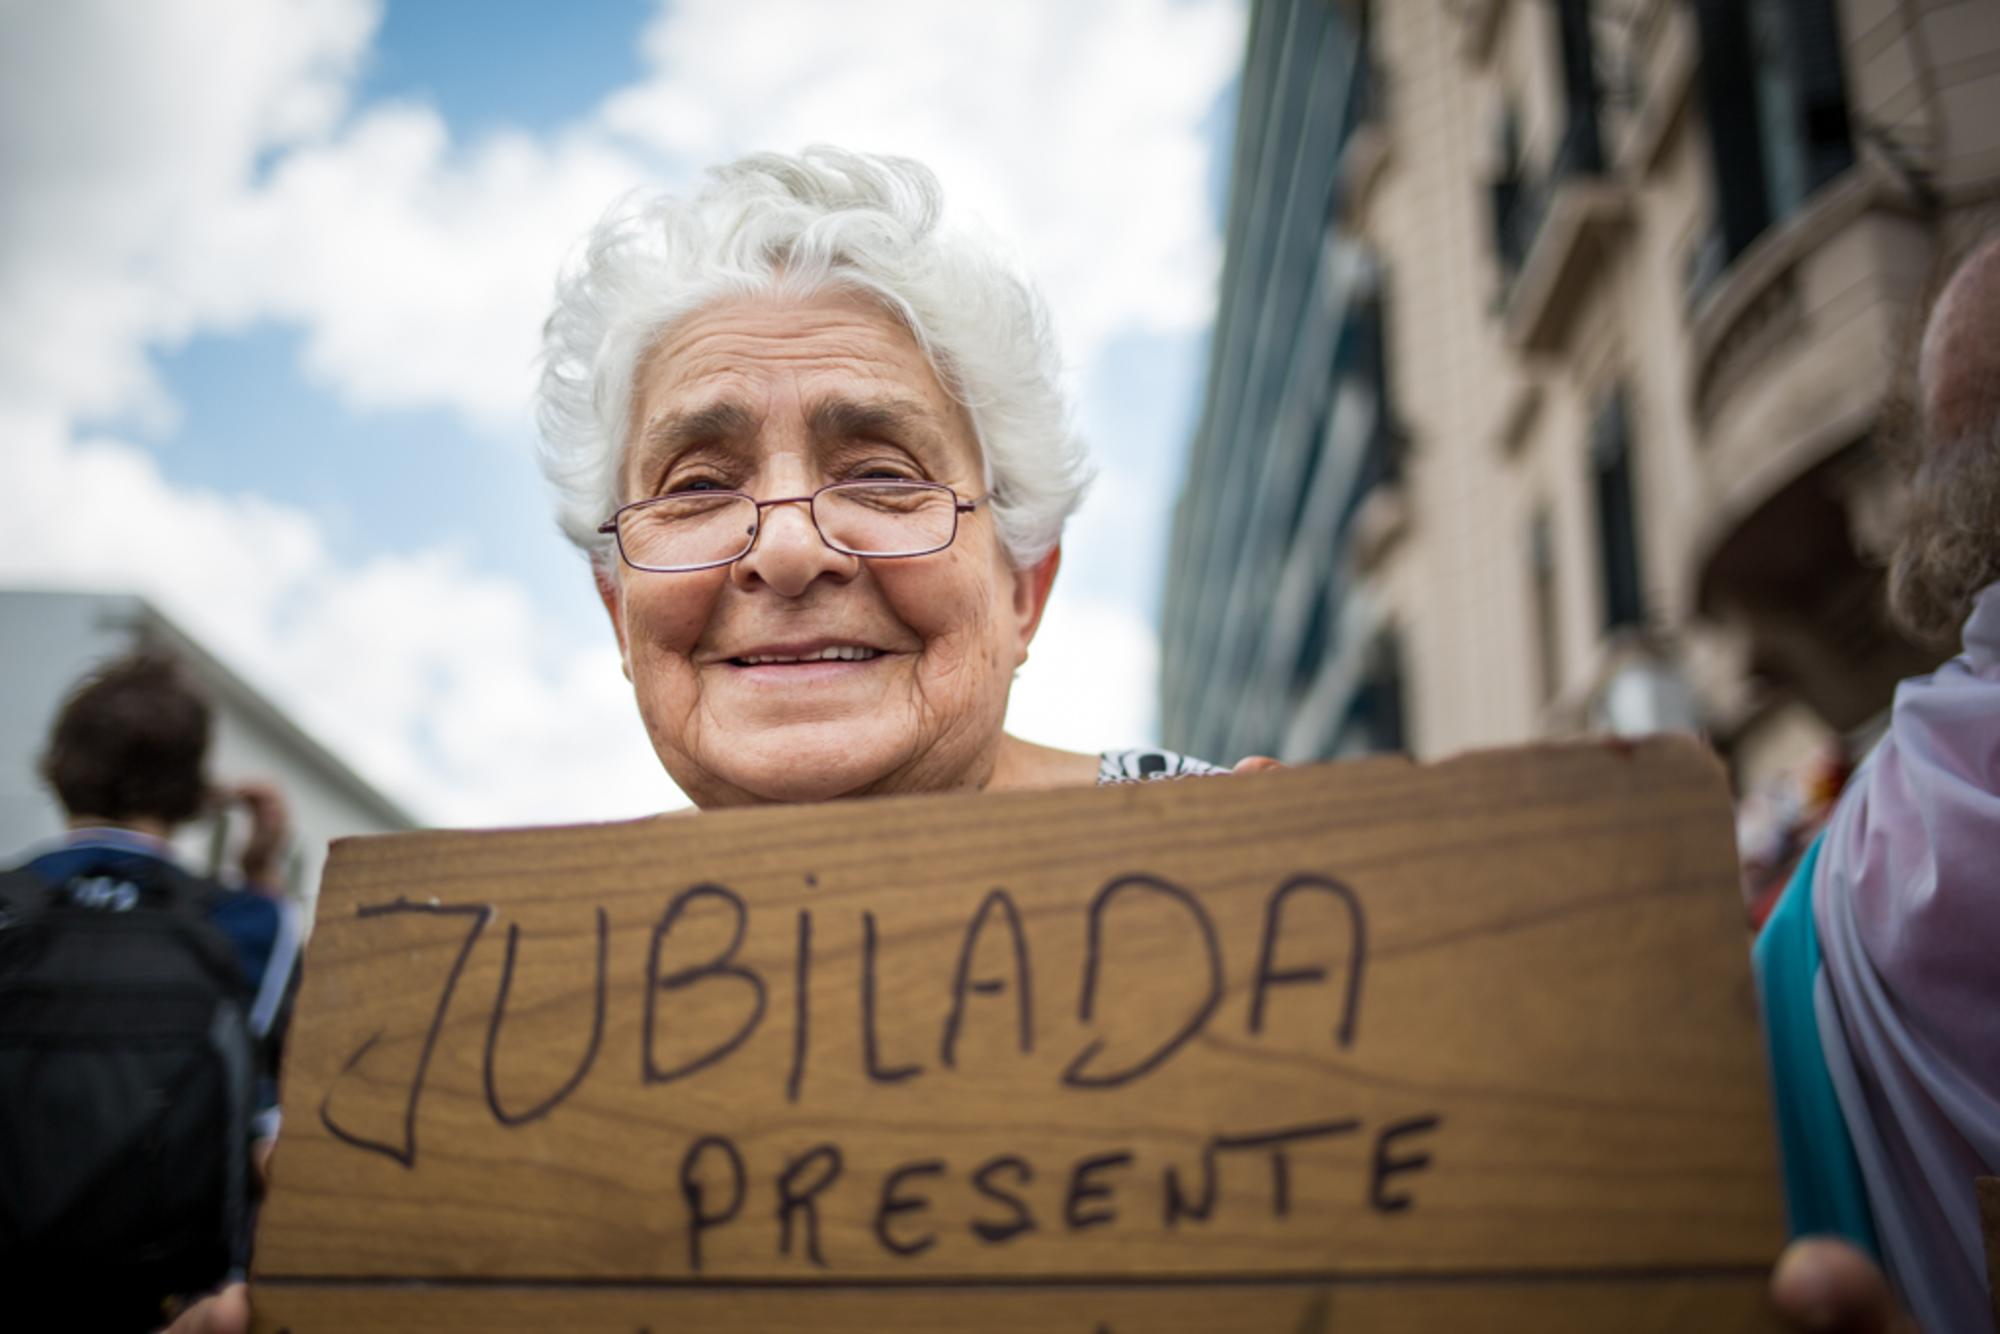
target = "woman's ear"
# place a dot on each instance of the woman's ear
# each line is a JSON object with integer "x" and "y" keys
{"x": 613, "y": 599}
{"x": 1031, "y": 596}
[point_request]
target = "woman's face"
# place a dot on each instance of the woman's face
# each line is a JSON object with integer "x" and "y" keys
{"x": 777, "y": 398}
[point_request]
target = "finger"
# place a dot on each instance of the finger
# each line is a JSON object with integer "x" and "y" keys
{"x": 263, "y": 799}
{"x": 228, "y": 1312}
{"x": 260, "y": 1158}
{"x": 1256, "y": 764}
{"x": 269, "y": 824}
{"x": 1824, "y": 1284}
{"x": 270, "y": 817}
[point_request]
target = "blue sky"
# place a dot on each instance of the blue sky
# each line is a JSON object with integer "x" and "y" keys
{"x": 378, "y": 481}
{"x": 493, "y": 64}
{"x": 274, "y": 301}
{"x": 250, "y": 416}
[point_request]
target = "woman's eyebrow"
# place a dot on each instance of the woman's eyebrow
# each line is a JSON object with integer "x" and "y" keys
{"x": 674, "y": 432}
{"x": 848, "y": 419}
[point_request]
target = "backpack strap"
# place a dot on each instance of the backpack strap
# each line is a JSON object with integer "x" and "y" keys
{"x": 163, "y": 888}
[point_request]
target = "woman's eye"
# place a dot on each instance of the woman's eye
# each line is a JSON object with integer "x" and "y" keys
{"x": 682, "y": 485}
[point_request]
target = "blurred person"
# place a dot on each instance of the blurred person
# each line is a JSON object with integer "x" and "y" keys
{"x": 1776, "y": 825}
{"x": 1877, "y": 968}
{"x": 135, "y": 1107}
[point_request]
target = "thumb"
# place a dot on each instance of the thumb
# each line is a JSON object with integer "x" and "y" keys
{"x": 228, "y": 1312}
{"x": 1255, "y": 764}
{"x": 1824, "y": 1284}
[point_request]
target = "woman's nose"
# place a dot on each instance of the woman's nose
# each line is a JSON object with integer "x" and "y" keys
{"x": 788, "y": 553}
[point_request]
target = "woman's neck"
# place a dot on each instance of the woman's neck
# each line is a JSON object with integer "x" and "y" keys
{"x": 1024, "y": 766}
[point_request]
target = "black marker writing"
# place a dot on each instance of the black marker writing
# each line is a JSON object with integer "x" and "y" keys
{"x": 722, "y": 966}
{"x": 982, "y": 1181}
{"x": 1275, "y": 1141}
{"x": 1075, "y": 1076}
{"x": 819, "y": 1167}
{"x": 548, "y": 1104}
{"x": 1357, "y": 951}
{"x": 871, "y": 1058}
{"x": 801, "y": 1006}
{"x": 894, "y": 1202}
{"x": 1177, "y": 1205}
{"x": 701, "y": 1217}
{"x": 1386, "y": 1164}
{"x": 1024, "y": 991}
{"x": 405, "y": 1152}
{"x": 1085, "y": 1187}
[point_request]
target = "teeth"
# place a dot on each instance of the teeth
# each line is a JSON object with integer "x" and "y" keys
{"x": 838, "y": 653}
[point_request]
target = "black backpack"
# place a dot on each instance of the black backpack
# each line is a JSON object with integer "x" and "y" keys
{"x": 126, "y": 1077}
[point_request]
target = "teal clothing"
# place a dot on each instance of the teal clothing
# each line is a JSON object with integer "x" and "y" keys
{"x": 1824, "y": 1193}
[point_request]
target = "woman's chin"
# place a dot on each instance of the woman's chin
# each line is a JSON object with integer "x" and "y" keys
{"x": 802, "y": 765}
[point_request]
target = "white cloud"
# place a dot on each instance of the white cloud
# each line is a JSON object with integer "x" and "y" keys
{"x": 122, "y": 128}
{"x": 420, "y": 271}
{"x": 431, "y": 677}
{"x": 197, "y": 167}
{"x": 1072, "y": 128}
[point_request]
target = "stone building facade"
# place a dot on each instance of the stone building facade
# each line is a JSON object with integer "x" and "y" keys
{"x": 1640, "y": 271}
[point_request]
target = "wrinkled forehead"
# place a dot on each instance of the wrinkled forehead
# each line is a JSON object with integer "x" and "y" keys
{"x": 832, "y": 341}
{"x": 831, "y": 331}
{"x": 1958, "y": 365}
{"x": 848, "y": 364}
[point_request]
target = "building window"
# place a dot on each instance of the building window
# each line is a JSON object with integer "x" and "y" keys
{"x": 1367, "y": 86}
{"x": 1773, "y": 85}
{"x": 1582, "y": 151}
{"x": 1375, "y": 720}
{"x": 1309, "y": 470}
{"x": 1314, "y": 643}
{"x": 1542, "y": 584}
{"x": 1617, "y": 528}
{"x": 1512, "y": 198}
{"x": 1519, "y": 193}
{"x": 1383, "y": 462}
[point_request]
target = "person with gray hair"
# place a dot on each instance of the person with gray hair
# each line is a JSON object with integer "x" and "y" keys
{"x": 814, "y": 442}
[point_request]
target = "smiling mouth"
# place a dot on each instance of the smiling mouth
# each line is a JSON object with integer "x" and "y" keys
{"x": 837, "y": 653}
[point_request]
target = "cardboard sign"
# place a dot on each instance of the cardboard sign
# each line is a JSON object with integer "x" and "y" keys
{"x": 1364, "y": 1046}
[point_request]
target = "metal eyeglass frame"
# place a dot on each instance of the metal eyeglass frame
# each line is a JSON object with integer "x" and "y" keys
{"x": 611, "y": 529}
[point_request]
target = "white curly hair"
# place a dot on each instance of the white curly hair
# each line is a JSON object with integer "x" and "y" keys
{"x": 794, "y": 226}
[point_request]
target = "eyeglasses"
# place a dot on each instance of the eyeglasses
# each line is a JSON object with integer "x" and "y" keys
{"x": 699, "y": 530}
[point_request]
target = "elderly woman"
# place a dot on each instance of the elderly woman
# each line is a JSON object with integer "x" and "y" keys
{"x": 814, "y": 445}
